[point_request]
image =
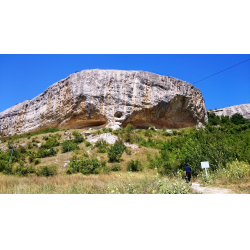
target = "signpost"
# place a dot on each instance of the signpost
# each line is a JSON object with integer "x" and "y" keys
{"x": 205, "y": 164}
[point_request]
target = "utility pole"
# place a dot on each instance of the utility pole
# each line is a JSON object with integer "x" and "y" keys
{"x": 68, "y": 153}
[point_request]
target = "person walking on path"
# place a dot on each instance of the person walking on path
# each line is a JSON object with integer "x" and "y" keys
{"x": 187, "y": 173}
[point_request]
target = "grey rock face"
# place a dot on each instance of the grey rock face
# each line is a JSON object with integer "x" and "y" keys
{"x": 243, "y": 109}
{"x": 200, "y": 126}
{"x": 100, "y": 97}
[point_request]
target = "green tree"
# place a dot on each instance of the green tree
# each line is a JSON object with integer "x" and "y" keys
{"x": 72, "y": 146}
{"x": 115, "y": 152}
{"x": 238, "y": 119}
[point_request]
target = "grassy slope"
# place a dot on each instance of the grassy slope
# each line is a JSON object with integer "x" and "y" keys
{"x": 114, "y": 182}
{"x": 121, "y": 182}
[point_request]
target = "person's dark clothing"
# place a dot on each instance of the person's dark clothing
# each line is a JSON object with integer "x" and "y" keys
{"x": 187, "y": 169}
{"x": 188, "y": 177}
{"x": 188, "y": 173}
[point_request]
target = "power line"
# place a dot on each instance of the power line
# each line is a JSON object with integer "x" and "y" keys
{"x": 222, "y": 71}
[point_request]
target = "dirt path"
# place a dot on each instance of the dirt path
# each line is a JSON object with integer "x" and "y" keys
{"x": 210, "y": 190}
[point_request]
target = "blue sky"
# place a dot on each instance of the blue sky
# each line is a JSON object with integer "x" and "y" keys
{"x": 23, "y": 77}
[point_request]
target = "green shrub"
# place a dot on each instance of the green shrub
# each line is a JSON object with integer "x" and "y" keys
{"x": 104, "y": 130}
{"x": 78, "y": 137}
{"x": 148, "y": 133}
{"x": 37, "y": 161}
{"x": 23, "y": 171}
{"x": 21, "y": 163}
{"x": 102, "y": 146}
{"x": 234, "y": 171}
{"x": 56, "y": 136}
{"x": 213, "y": 119}
{"x": 238, "y": 119}
{"x": 128, "y": 137}
{"x": 134, "y": 166}
{"x": 102, "y": 150}
{"x": 115, "y": 152}
{"x": 116, "y": 167}
{"x": 22, "y": 150}
{"x": 129, "y": 128}
{"x": 50, "y": 143}
{"x": 3, "y": 165}
{"x": 167, "y": 134}
{"x": 10, "y": 144}
{"x": 225, "y": 119}
{"x": 47, "y": 171}
{"x": 87, "y": 166}
{"x": 87, "y": 144}
{"x": 72, "y": 146}
{"x": 42, "y": 152}
{"x": 175, "y": 132}
{"x": 45, "y": 138}
{"x": 116, "y": 132}
{"x": 85, "y": 154}
{"x": 32, "y": 156}
{"x": 128, "y": 151}
{"x": 165, "y": 164}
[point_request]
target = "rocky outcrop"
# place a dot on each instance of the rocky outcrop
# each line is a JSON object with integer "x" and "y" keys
{"x": 243, "y": 109}
{"x": 100, "y": 97}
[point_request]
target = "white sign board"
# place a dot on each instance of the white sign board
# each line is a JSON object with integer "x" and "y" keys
{"x": 205, "y": 164}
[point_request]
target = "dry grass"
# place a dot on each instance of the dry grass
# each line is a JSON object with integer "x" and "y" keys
{"x": 241, "y": 186}
{"x": 143, "y": 182}
{"x": 113, "y": 183}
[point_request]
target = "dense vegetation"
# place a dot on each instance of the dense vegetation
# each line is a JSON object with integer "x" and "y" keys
{"x": 87, "y": 166}
{"x": 220, "y": 145}
{"x": 217, "y": 144}
{"x": 19, "y": 155}
{"x": 236, "y": 119}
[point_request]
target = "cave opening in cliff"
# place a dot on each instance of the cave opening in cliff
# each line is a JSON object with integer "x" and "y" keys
{"x": 118, "y": 114}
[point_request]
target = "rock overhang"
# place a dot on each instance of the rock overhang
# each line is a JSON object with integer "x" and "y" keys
{"x": 100, "y": 97}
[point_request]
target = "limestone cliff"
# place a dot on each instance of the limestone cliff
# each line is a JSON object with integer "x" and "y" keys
{"x": 100, "y": 97}
{"x": 243, "y": 109}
